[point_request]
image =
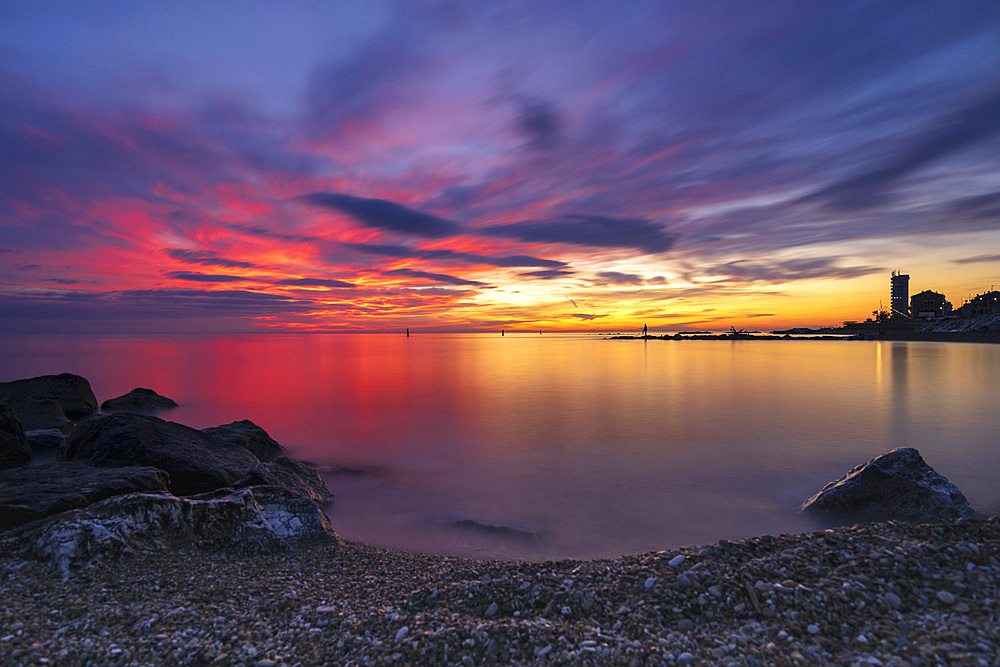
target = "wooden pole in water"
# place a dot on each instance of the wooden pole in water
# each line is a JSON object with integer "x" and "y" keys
{"x": 407, "y": 333}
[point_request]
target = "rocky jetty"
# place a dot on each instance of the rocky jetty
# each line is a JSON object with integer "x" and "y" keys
{"x": 71, "y": 392}
{"x": 128, "y": 483}
{"x": 898, "y": 485}
{"x": 139, "y": 399}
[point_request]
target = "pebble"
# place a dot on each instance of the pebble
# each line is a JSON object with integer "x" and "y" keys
{"x": 946, "y": 597}
{"x": 685, "y": 658}
{"x": 812, "y": 629}
{"x": 492, "y": 609}
{"x": 650, "y": 582}
{"x": 892, "y": 600}
{"x": 676, "y": 560}
{"x": 402, "y": 632}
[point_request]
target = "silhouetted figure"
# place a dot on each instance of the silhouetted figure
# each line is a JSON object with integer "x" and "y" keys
{"x": 501, "y": 332}
{"x": 644, "y": 331}
{"x": 407, "y": 333}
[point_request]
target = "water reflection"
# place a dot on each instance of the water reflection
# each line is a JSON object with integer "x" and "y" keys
{"x": 602, "y": 447}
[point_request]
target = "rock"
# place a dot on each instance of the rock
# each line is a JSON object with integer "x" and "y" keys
{"x": 946, "y": 597}
{"x": 36, "y": 492}
{"x": 71, "y": 392}
{"x": 503, "y": 531}
{"x": 255, "y": 520}
{"x": 14, "y": 448}
{"x": 44, "y": 438}
{"x": 812, "y": 629}
{"x": 294, "y": 476}
{"x": 676, "y": 561}
{"x": 36, "y": 414}
{"x": 249, "y": 436}
{"x": 898, "y": 485}
{"x": 892, "y": 600}
{"x": 138, "y": 400}
{"x": 196, "y": 462}
{"x": 492, "y": 609}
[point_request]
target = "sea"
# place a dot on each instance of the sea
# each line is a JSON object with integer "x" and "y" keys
{"x": 563, "y": 445}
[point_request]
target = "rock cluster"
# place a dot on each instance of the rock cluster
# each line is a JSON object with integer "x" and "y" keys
{"x": 133, "y": 483}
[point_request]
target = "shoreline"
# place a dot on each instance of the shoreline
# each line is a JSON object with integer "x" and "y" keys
{"x": 897, "y": 592}
{"x": 990, "y": 336}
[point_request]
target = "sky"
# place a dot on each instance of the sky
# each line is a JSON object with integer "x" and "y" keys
{"x": 475, "y": 166}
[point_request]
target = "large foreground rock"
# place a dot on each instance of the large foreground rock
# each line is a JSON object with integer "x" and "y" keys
{"x": 255, "y": 520}
{"x": 72, "y": 392}
{"x": 36, "y": 414}
{"x": 32, "y": 493}
{"x": 139, "y": 399}
{"x": 14, "y": 448}
{"x": 251, "y": 437}
{"x": 294, "y": 476}
{"x": 196, "y": 462}
{"x": 898, "y": 485}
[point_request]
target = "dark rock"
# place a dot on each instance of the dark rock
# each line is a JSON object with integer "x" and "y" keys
{"x": 503, "y": 531}
{"x": 895, "y": 486}
{"x": 138, "y": 400}
{"x": 249, "y": 436}
{"x": 14, "y": 448}
{"x": 72, "y": 392}
{"x": 38, "y": 414}
{"x": 255, "y": 520}
{"x": 196, "y": 462}
{"x": 44, "y": 438}
{"x": 294, "y": 476}
{"x": 32, "y": 493}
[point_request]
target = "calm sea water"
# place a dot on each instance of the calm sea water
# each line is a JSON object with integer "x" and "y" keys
{"x": 601, "y": 447}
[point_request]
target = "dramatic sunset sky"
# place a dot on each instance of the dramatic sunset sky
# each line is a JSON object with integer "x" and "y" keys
{"x": 463, "y": 166}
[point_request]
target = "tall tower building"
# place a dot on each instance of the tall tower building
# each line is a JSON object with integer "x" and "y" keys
{"x": 899, "y": 295}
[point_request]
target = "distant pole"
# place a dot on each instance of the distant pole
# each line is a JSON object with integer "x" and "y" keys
{"x": 501, "y": 332}
{"x": 407, "y": 333}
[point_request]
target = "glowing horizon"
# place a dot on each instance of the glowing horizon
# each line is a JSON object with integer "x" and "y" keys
{"x": 540, "y": 166}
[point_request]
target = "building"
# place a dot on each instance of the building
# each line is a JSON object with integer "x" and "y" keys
{"x": 928, "y": 304}
{"x": 899, "y": 295}
{"x": 983, "y": 304}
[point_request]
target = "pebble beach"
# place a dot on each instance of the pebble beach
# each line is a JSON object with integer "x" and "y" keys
{"x": 883, "y": 594}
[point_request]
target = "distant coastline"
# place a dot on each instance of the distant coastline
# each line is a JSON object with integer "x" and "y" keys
{"x": 983, "y": 329}
{"x": 837, "y": 334}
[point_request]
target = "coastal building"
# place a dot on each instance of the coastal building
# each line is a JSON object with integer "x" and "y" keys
{"x": 928, "y": 304}
{"x": 982, "y": 304}
{"x": 899, "y": 295}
